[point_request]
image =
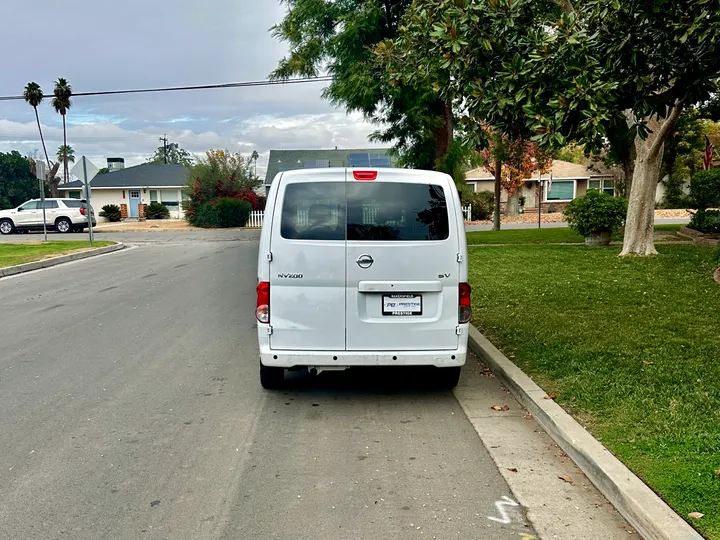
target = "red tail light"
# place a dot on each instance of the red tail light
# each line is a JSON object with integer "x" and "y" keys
{"x": 263, "y": 302}
{"x": 82, "y": 210}
{"x": 465, "y": 306}
{"x": 365, "y": 175}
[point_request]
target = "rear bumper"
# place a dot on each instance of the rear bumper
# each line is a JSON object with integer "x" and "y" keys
{"x": 340, "y": 359}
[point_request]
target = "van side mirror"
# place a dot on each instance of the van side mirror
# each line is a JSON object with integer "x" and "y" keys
{"x": 20, "y": 209}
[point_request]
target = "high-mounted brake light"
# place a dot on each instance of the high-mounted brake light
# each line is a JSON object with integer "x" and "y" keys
{"x": 365, "y": 175}
{"x": 465, "y": 306}
{"x": 262, "y": 312}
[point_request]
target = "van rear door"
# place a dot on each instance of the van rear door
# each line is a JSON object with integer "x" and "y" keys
{"x": 402, "y": 262}
{"x": 307, "y": 266}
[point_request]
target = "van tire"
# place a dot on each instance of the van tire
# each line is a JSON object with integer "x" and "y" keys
{"x": 272, "y": 378}
{"x": 448, "y": 378}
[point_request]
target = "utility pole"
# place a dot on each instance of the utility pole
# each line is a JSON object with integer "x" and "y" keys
{"x": 164, "y": 141}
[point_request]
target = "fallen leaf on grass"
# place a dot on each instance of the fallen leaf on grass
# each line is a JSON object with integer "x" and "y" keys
{"x": 512, "y": 469}
{"x": 566, "y": 478}
{"x": 551, "y": 396}
{"x": 695, "y": 515}
{"x": 717, "y": 472}
{"x": 645, "y": 362}
{"x": 573, "y": 398}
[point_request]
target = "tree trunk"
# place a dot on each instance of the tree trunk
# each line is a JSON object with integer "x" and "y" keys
{"x": 65, "y": 152}
{"x": 640, "y": 221}
{"x": 52, "y": 181}
{"x": 513, "y": 205}
{"x": 42, "y": 139}
{"x": 444, "y": 133}
{"x": 498, "y": 186}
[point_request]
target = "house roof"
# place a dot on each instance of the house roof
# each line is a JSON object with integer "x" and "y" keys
{"x": 152, "y": 175}
{"x": 560, "y": 169}
{"x": 285, "y": 160}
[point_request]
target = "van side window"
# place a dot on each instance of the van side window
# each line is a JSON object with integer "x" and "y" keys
{"x": 314, "y": 211}
{"x": 387, "y": 211}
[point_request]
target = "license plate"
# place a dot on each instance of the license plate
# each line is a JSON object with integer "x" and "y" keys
{"x": 402, "y": 305}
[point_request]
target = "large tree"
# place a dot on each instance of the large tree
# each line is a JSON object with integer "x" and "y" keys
{"x": 17, "y": 180}
{"x": 65, "y": 155}
{"x": 172, "y": 153}
{"x": 339, "y": 37}
{"x": 585, "y": 74}
{"x": 61, "y": 102}
{"x": 34, "y": 95}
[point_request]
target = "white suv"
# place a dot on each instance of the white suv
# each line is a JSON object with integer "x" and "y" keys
{"x": 62, "y": 215}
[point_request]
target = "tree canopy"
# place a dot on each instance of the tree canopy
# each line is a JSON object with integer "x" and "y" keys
{"x": 339, "y": 37}
{"x": 17, "y": 181}
{"x": 172, "y": 153}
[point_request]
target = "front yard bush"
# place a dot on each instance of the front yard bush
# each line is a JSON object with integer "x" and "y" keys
{"x": 706, "y": 221}
{"x": 705, "y": 188}
{"x": 221, "y": 191}
{"x": 482, "y": 205}
{"x": 596, "y": 212}
{"x": 224, "y": 212}
{"x": 111, "y": 212}
{"x": 156, "y": 210}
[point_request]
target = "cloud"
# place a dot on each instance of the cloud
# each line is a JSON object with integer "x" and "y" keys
{"x": 149, "y": 43}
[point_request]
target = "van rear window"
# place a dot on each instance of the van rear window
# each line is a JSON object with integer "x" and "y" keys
{"x": 383, "y": 211}
{"x": 314, "y": 211}
{"x": 396, "y": 211}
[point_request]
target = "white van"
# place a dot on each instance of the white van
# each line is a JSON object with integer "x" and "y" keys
{"x": 362, "y": 268}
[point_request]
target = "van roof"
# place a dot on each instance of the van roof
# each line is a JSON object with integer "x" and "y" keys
{"x": 383, "y": 173}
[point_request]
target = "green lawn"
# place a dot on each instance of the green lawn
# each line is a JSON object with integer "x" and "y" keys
{"x": 13, "y": 254}
{"x": 630, "y": 346}
{"x": 558, "y": 235}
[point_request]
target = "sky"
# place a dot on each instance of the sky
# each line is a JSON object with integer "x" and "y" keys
{"x": 102, "y": 45}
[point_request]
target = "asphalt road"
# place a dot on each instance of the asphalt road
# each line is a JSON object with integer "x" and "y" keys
{"x": 131, "y": 409}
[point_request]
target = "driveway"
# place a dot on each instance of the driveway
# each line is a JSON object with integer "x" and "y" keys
{"x": 131, "y": 409}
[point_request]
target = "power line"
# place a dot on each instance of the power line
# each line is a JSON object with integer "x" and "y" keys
{"x": 245, "y": 84}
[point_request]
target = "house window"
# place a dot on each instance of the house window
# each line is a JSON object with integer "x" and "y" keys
{"x": 169, "y": 198}
{"x": 74, "y": 195}
{"x": 153, "y": 195}
{"x": 608, "y": 186}
{"x": 561, "y": 191}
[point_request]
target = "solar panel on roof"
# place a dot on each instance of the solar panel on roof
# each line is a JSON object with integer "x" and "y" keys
{"x": 359, "y": 160}
{"x": 379, "y": 160}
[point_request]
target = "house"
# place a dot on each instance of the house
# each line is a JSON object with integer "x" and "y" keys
{"x": 569, "y": 180}
{"x": 132, "y": 186}
{"x": 288, "y": 160}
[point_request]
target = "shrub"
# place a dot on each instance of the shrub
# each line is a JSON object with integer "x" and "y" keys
{"x": 706, "y": 221}
{"x": 483, "y": 205}
{"x": 111, "y": 212}
{"x": 596, "y": 212}
{"x": 705, "y": 189}
{"x": 522, "y": 200}
{"x": 260, "y": 203}
{"x": 156, "y": 210}
{"x": 551, "y": 209}
{"x": 223, "y": 212}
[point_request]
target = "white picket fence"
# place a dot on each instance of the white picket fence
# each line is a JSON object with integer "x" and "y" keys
{"x": 256, "y": 216}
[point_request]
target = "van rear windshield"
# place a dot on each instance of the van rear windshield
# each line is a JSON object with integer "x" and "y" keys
{"x": 75, "y": 203}
{"x": 383, "y": 211}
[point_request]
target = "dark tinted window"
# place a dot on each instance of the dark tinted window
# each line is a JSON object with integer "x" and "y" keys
{"x": 75, "y": 203}
{"x": 396, "y": 211}
{"x": 314, "y": 211}
{"x": 49, "y": 205}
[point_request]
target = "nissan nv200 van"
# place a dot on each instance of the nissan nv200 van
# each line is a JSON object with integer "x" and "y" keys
{"x": 362, "y": 268}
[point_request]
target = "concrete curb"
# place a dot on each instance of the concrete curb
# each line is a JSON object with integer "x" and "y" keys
{"x": 639, "y": 505}
{"x": 46, "y": 263}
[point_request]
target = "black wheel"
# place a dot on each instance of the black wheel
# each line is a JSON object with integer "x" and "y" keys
{"x": 272, "y": 378}
{"x": 6, "y": 226}
{"x": 448, "y": 378}
{"x": 63, "y": 225}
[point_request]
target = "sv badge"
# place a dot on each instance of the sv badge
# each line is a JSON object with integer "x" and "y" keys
{"x": 443, "y": 276}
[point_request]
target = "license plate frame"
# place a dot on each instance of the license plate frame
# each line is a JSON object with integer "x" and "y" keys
{"x": 395, "y": 311}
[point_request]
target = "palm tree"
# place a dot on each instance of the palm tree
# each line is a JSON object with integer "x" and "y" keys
{"x": 254, "y": 156}
{"x": 33, "y": 95}
{"x": 65, "y": 155}
{"x": 61, "y": 102}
